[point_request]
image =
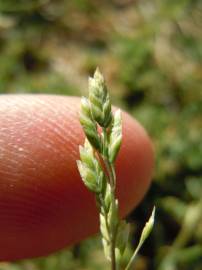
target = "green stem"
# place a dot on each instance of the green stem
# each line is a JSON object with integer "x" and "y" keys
{"x": 145, "y": 233}
{"x": 133, "y": 257}
{"x": 112, "y": 181}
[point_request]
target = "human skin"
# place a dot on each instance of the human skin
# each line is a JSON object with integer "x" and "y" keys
{"x": 44, "y": 205}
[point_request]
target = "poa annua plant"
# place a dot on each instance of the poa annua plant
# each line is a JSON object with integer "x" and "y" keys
{"x": 97, "y": 169}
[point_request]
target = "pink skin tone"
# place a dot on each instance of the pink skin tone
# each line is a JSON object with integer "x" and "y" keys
{"x": 44, "y": 206}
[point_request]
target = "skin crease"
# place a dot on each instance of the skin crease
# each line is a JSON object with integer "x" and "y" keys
{"x": 44, "y": 206}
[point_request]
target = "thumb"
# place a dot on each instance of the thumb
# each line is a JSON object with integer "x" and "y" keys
{"x": 44, "y": 205}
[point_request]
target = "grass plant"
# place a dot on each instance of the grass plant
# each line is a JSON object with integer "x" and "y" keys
{"x": 97, "y": 169}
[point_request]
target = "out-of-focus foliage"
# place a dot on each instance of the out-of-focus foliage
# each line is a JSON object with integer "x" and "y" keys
{"x": 151, "y": 54}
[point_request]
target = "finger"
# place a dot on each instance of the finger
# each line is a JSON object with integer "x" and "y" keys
{"x": 44, "y": 206}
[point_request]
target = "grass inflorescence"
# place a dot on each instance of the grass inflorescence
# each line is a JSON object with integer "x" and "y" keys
{"x": 97, "y": 169}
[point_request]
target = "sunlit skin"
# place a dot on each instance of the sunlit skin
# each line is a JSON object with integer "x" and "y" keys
{"x": 44, "y": 205}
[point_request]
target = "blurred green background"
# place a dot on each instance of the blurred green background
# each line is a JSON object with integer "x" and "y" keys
{"x": 150, "y": 52}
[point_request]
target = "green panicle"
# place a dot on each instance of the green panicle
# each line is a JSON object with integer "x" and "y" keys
{"x": 96, "y": 167}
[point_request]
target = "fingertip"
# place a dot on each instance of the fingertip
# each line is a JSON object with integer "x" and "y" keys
{"x": 42, "y": 198}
